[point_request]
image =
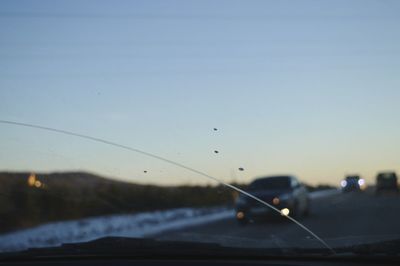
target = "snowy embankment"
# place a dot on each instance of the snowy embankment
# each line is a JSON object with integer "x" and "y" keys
{"x": 133, "y": 225}
{"x": 324, "y": 193}
{"x": 130, "y": 225}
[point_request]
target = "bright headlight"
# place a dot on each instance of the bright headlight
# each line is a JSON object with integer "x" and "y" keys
{"x": 285, "y": 212}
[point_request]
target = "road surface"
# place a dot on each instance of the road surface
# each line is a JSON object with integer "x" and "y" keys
{"x": 345, "y": 218}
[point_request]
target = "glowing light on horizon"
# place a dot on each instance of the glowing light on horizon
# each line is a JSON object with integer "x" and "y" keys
{"x": 34, "y": 182}
{"x": 31, "y": 179}
{"x": 38, "y": 184}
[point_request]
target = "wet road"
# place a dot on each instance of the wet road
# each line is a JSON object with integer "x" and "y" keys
{"x": 349, "y": 218}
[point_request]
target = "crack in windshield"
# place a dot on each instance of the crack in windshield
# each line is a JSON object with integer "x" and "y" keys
{"x": 243, "y": 192}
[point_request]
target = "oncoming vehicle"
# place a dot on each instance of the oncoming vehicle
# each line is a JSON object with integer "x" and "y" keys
{"x": 285, "y": 193}
{"x": 386, "y": 181}
{"x": 352, "y": 183}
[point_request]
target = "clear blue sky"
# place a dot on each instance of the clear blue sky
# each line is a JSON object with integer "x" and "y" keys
{"x": 304, "y": 87}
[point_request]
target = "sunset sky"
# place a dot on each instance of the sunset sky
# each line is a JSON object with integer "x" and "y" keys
{"x": 310, "y": 88}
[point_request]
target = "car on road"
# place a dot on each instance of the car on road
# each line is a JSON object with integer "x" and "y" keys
{"x": 386, "y": 182}
{"x": 352, "y": 183}
{"x": 285, "y": 193}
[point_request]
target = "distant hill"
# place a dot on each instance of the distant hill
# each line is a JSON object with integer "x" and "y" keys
{"x": 30, "y": 199}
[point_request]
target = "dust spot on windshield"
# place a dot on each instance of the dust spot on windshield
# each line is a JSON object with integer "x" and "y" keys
{"x": 216, "y": 151}
{"x": 145, "y": 171}
{"x": 241, "y": 169}
{"x": 215, "y": 129}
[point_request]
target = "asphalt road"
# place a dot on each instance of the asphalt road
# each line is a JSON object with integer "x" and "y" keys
{"x": 342, "y": 219}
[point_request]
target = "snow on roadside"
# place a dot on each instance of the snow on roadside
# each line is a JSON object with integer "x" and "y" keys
{"x": 135, "y": 225}
{"x": 324, "y": 193}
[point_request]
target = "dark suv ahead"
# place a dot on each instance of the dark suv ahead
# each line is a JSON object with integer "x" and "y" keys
{"x": 283, "y": 192}
{"x": 352, "y": 183}
{"x": 386, "y": 181}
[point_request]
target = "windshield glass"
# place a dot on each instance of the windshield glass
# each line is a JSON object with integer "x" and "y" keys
{"x": 156, "y": 119}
